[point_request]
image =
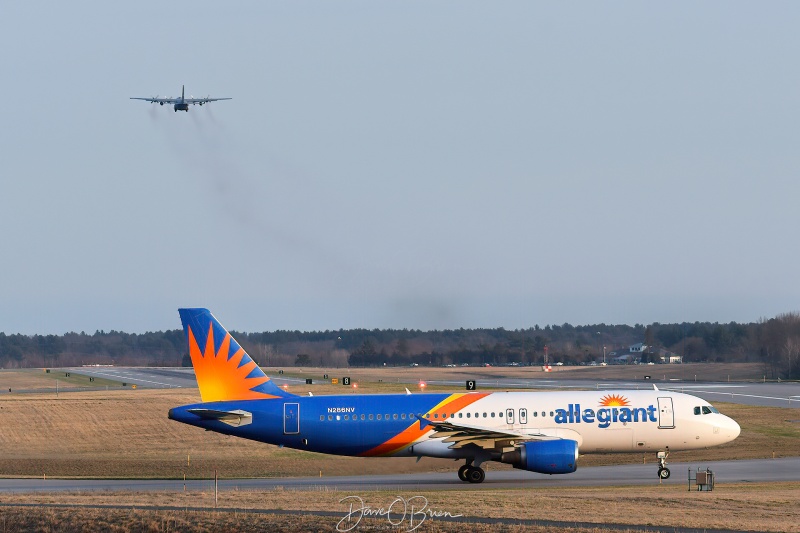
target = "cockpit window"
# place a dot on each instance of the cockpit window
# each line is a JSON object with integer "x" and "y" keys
{"x": 706, "y": 410}
{"x": 697, "y": 410}
{"x": 713, "y": 409}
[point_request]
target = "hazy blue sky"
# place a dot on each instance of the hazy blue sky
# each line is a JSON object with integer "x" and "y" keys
{"x": 398, "y": 164}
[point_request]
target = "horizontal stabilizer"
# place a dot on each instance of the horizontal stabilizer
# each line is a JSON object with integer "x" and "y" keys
{"x": 232, "y": 418}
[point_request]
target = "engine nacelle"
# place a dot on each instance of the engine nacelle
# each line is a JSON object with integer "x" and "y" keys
{"x": 544, "y": 456}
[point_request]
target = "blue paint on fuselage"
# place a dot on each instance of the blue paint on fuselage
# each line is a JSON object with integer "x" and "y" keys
{"x": 328, "y": 424}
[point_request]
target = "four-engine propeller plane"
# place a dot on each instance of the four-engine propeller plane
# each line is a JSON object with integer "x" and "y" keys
{"x": 182, "y": 103}
{"x": 536, "y": 431}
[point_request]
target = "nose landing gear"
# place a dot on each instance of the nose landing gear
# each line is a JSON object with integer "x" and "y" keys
{"x": 663, "y": 471}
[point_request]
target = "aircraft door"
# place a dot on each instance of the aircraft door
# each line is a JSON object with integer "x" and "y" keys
{"x": 510, "y": 416}
{"x": 523, "y": 416}
{"x": 291, "y": 418}
{"x": 666, "y": 416}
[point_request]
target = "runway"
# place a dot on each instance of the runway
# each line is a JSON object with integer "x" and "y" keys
{"x": 747, "y": 471}
{"x": 761, "y": 394}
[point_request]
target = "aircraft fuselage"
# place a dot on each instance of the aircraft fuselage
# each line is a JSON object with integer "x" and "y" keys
{"x": 389, "y": 425}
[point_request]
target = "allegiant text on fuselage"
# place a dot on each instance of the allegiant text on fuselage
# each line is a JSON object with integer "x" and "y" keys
{"x": 604, "y": 416}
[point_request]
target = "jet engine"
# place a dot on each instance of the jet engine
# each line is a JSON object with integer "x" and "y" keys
{"x": 544, "y": 457}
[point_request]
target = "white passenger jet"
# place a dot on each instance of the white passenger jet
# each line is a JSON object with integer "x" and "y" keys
{"x": 536, "y": 431}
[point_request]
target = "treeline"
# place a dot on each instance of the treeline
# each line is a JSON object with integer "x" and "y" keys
{"x": 775, "y": 342}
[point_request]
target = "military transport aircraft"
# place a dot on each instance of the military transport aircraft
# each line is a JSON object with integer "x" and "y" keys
{"x": 182, "y": 103}
{"x": 536, "y": 431}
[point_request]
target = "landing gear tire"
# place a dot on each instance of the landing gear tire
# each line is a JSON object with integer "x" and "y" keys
{"x": 663, "y": 473}
{"x": 462, "y": 472}
{"x": 475, "y": 474}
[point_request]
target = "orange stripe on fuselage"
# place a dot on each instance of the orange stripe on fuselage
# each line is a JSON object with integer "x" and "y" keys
{"x": 413, "y": 433}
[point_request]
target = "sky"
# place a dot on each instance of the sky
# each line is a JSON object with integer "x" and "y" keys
{"x": 393, "y": 164}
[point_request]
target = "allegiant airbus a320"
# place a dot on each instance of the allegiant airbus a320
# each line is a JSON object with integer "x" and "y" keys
{"x": 537, "y": 431}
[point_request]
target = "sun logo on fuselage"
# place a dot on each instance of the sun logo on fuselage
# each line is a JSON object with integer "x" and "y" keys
{"x": 221, "y": 375}
{"x": 614, "y": 400}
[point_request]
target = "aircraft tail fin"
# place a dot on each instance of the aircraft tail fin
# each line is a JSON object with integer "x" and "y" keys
{"x": 223, "y": 369}
{"x": 183, "y": 87}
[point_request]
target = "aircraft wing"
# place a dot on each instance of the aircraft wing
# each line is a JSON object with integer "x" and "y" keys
{"x": 202, "y": 101}
{"x": 157, "y": 100}
{"x": 488, "y": 438}
{"x": 232, "y": 418}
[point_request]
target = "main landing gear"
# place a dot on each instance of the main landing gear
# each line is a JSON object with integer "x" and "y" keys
{"x": 663, "y": 471}
{"x": 472, "y": 474}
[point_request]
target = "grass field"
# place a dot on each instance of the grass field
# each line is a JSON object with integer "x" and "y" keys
{"x": 753, "y": 507}
{"x": 39, "y": 378}
{"x": 127, "y": 434}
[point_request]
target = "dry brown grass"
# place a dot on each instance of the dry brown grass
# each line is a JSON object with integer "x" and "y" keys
{"x": 146, "y": 520}
{"x": 38, "y": 378}
{"x": 127, "y": 434}
{"x": 758, "y": 507}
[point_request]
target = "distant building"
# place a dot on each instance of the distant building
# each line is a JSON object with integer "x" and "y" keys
{"x": 623, "y": 359}
{"x": 662, "y": 355}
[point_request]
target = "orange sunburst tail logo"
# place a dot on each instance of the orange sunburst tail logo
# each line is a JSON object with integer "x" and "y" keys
{"x": 223, "y": 369}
